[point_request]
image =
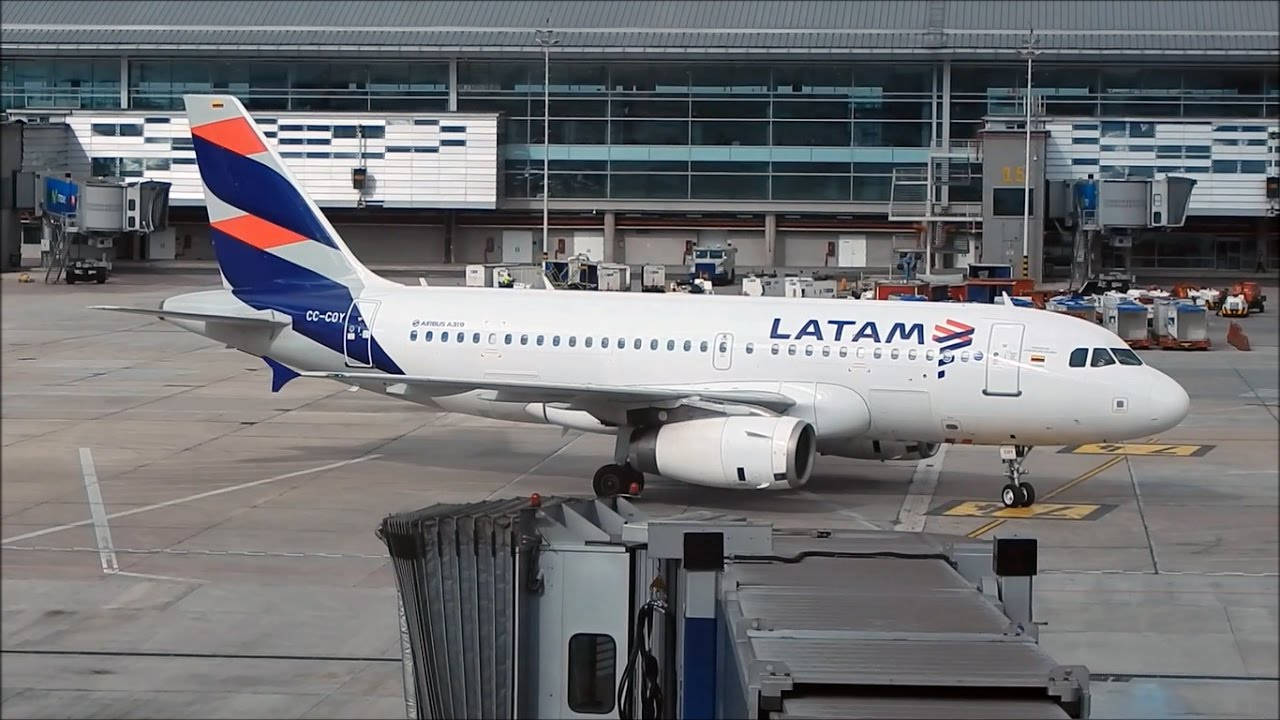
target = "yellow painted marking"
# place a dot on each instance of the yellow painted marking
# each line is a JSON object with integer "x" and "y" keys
{"x": 1141, "y": 449}
{"x": 1057, "y": 511}
{"x": 1058, "y": 491}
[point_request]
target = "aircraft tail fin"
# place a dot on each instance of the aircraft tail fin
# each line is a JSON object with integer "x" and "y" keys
{"x": 267, "y": 232}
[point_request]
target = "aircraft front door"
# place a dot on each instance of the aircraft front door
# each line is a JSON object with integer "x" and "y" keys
{"x": 1004, "y": 359}
{"x": 357, "y": 341}
{"x": 722, "y": 352}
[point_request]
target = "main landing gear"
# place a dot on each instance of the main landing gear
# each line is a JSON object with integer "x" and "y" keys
{"x": 613, "y": 479}
{"x": 618, "y": 477}
{"x": 1016, "y": 493}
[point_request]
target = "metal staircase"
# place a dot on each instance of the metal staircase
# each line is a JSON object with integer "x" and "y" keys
{"x": 59, "y": 249}
{"x": 915, "y": 194}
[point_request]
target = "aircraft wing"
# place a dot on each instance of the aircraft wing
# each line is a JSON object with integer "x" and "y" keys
{"x": 579, "y": 395}
{"x": 265, "y": 318}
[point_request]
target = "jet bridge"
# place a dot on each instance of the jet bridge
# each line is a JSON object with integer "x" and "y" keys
{"x": 570, "y": 608}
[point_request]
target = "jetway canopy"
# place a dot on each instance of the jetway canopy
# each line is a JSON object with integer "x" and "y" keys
{"x": 511, "y": 609}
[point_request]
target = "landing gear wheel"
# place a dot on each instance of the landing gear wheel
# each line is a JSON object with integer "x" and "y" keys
{"x": 1028, "y": 494}
{"x": 610, "y": 480}
{"x": 1010, "y": 496}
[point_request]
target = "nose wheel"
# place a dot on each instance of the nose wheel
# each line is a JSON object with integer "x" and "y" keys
{"x": 1016, "y": 493}
{"x": 614, "y": 479}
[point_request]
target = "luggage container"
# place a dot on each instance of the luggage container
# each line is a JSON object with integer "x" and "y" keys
{"x": 614, "y": 277}
{"x": 1076, "y": 307}
{"x": 1127, "y": 319}
{"x": 521, "y": 275}
{"x": 480, "y": 276}
{"x": 884, "y": 290}
{"x": 1187, "y": 326}
{"x": 752, "y": 286}
{"x": 653, "y": 278}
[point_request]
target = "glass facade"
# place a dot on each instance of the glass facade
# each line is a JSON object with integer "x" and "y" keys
{"x": 89, "y": 83}
{"x": 1075, "y": 91}
{"x": 701, "y": 131}
{"x": 776, "y": 131}
{"x": 372, "y": 86}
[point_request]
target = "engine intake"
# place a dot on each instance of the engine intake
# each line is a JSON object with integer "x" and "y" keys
{"x": 739, "y": 452}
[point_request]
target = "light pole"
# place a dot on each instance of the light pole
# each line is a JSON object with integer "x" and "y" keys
{"x": 1029, "y": 51}
{"x": 546, "y": 41}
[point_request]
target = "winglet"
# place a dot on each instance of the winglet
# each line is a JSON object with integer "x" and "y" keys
{"x": 280, "y": 375}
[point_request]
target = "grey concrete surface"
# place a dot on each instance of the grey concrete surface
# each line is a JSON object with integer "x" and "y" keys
{"x": 273, "y": 598}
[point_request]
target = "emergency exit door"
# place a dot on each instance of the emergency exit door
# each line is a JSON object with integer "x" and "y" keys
{"x": 722, "y": 351}
{"x": 357, "y": 340}
{"x": 1004, "y": 359}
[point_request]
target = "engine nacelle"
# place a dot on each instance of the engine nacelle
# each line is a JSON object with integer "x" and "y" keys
{"x": 738, "y": 452}
{"x": 861, "y": 448}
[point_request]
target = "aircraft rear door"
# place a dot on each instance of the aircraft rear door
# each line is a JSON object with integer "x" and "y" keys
{"x": 1004, "y": 359}
{"x": 357, "y": 343}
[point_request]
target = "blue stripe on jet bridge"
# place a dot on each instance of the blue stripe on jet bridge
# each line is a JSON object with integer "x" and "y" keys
{"x": 249, "y": 185}
{"x": 268, "y": 282}
{"x": 699, "y": 669}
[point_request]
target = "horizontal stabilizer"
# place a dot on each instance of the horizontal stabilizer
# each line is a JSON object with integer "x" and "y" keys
{"x": 263, "y": 318}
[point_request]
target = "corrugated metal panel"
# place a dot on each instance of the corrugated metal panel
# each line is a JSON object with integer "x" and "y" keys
{"x": 906, "y": 15}
{"x": 921, "y": 708}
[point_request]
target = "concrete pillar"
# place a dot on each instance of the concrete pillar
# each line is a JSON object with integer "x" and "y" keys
{"x": 453, "y": 85}
{"x": 450, "y": 236}
{"x": 124, "y": 83}
{"x": 772, "y": 248}
{"x": 615, "y": 249}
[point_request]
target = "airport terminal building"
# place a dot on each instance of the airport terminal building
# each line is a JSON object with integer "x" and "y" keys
{"x": 808, "y": 134}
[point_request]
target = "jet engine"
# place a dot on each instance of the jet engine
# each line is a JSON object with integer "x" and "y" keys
{"x": 862, "y": 448}
{"x": 740, "y": 452}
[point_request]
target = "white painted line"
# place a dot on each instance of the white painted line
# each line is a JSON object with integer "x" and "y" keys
{"x": 98, "y": 512}
{"x": 189, "y": 498}
{"x": 924, "y": 482}
{"x": 149, "y": 576}
{"x": 865, "y": 524}
{"x": 535, "y": 467}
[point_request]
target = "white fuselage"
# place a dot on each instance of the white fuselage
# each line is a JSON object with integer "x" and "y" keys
{"x": 856, "y": 368}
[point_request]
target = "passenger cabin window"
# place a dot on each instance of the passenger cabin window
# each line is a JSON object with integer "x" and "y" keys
{"x": 460, "y": 337}
{"x": 911, "y": 354}
{"x": 688, "y": 346}
{"x": 844, "y": 352}
{"x": 637, "y": 343}
{"x": 750, "y": 348}
{"x": 808, "y": 350}
{"x": 1078, "y": 357}
{"x": 444, "y": 336}
{"x": 1101, "y": 358}
{"x": 604, "y": 343}
{"x": 592, "y": 666}
{"x": 493, "y": 338}
{"x": 724, "y": 347}
{"x": 877, "y": 353}
{"x": 702, "y": 347}
{"x": 427, "y": 337}
{"x": 475, "y": 338}
{"x": 539, "y": 340}
{"x": 653, "y": 344}
{"x": 1125, "y": 356}
{"x": 773, "y": 349}
{"x": 524, "y": 339}
{"x": 893, "y": 354}
{"x": 671, "y": 345}
{"x": 507, "y": 339}
{"x": 413, "y": 335}
{"x": 586, "y": 341}
{"x": 555, "y": 341}
{"x": 826, "y": 351}
{"x": 791, "y": 349}
{"x": 573, "y": 340}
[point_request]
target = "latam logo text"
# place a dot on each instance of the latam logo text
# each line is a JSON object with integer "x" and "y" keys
{"x": 851, "y": 330}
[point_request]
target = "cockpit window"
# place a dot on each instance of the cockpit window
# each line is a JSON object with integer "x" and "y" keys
{"x": 1079, "y": 357}
{"x": 1126, "y": 356}
{"x": 1101, "y": 358}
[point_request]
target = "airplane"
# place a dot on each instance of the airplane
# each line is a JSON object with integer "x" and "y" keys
{"x": 712, "y": 390}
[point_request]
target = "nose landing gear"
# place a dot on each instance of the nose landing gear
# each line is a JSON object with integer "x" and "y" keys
{"x": 1016, "y": 493}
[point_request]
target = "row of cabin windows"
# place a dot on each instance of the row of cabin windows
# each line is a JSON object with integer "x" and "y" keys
{"x": 862, "y": 352}
{"x": 825, "y": 351}
{"x": 1103, "y": 357}
{"x": 569, "y": 340}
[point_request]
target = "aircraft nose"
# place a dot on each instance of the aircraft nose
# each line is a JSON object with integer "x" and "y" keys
{"x": 1168, "y": 403}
